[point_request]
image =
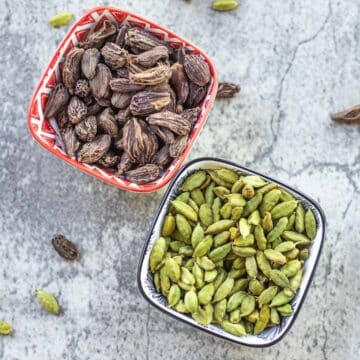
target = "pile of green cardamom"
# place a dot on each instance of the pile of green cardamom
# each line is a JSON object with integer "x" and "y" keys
{"x": 232, "y": 250}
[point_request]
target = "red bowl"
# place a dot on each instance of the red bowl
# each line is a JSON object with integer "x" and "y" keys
{"x": 44, "y": 130}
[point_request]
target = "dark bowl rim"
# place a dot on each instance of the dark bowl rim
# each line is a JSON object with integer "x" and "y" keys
{"x": 165, "y": 196}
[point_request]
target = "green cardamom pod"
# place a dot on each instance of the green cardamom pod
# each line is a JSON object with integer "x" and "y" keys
{"x": 203, "y": 247}
{"x": 219, "y": 226}
{"x": 187, "y": 277}
{"x": 197, "y": 235}
{"x": 275, "y": 256}
{"x": 210, "y": 275}
{"x": 223, "y": 290}
{"x": 5, "y": 328}
{"x": 198, "y": 196}
{"x": 310, "y": 224}
{"x": 220, "y": 252}
{"x": 205, "y": 263}
{"x": 172, "y": 269}
{"x": 279, "y": 278}
{"x": 61, "y": 19}
{"x": 183, "y": 226}
{"x": 228, "y": 175}
{"x": 216, "y": 209}
{"x": 168, "y": 225}
{"x": 205, "y": 215}
{"x": 237, "y": 186}
{"x": 291, "y": 268}
{"x": 174, "y": 295}
{"x": 254, "y": 180}
{"x": 247, "y": 305}
{"x": 221, "y": 238}
{"x": 274, "y": 316}
{"x": 226, "y": 211}
{"x": 254, "y": 218}
{"x": 194, "y": 181}
{"x": 243, "y": 251}
{"x": 263, "y": 263}
{"x": 260, "y": 237}
{"x": 48, "y": 302}
{"x": 235, "y": 300}
{"x": 251, "y": 267}
{"x": 191, "y": 301}
{"x": 157, "y": 254}
{"x": 267, "y": 223}
{"x": 206, "y": 293}
{"x": 300, "y": 218}
{"x": 283, "y": 209}
{"x": 185, "y": 210}
{"x": 295, "y": 281}
{"x": 235, "y": 329}
{"x": 285, "y": 246}
{"x": 277, "y": 231}
{"x": 255, "y": 286}
{"x": 285, "y": 310}
{"x": 209, "y": 194}
{"x": 267, "y": 295}
{"x": 281, "y": 298}
{"x": 264, "y": 317}
{"x": 253, "y": 204}
{"x": 220, "y": 310}
{"x": 270, "y": 199}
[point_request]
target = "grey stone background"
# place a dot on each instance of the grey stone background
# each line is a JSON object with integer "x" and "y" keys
{"x": 296, "y": 61}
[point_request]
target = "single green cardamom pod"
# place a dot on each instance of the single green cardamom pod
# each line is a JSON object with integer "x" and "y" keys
{"x": 254, "y": 218}
{"x": 283, "y": 209}
{"x": 206, "y": 293}
{"x": 197, "y": 235}
{"x": 291, "y": 268}
{"x": 237, "y": 186}
{"x": 260, "y": 237}
{"x": 281, "y": 298}
{"x": 263, "y": 263}
{"x": 236, "y": 213}
{"x": 279, "y": 228}
{"x": 222, "y": 238}
{"x": 5, "y": 328}
{"x": 243, "y": 251}
{"x": 201, "y": 316}
{"x": 224, "y": 290}
{"x": 176, "y": 245}
{"x": 310, "y": 224}
{"x": 172, "y": 269}
{"x": 252, "y": 204}
{"x": 264, "y": 317}
{"x": 220, "y": 310}
{"x": 275, "y": 256}
{"x": 205, "y": 215}
{"x": 279, "y": 278}
{"x": 220, "y": 278}
{"x": 295, "y": 281}
{"x": 168, "y": 225}
{"x": 186, "y": 287}
{"x": 235, "y": 300}
{"x": 198, "y": 196}
{"x": 235, "y": 200}
{"x": 239, "y": 263}
{"x": 269, "y": 201}
{"x": 220, "y": 252}
{"x": 235, "y": 329}
{"x": 189, "y": 264}
{"x": 286, "y": 196}
{"x": 300, "y": 219}
{"x": 285, "y": 246}
{"x": 157, "y": 254}
{"x": 174, "y": 295}
{"x": 234, "y": 233}
{"x": 248, "y": 241}
{"x": 185, "y": 210}
{"x": 194, "y": 181}
{"x": 48, "y": 302}
{"x": 226, "y": 211}
{"x": 234, "y": 316}
{"x": 164, "y": 282}
{"x": 183, "y": 226}
{"x": 210, "y": 275}
{"x": 157, "y": 281}
{"x": 193, "y": 205}
{"x": 236, "y": 274}
{"x": 219, "y": 226}
{"x": 267, "y": 295}
{"x": 274, "y": 316}
{"x": 183, "y": 197}
{"x": 209, "y": 194}
{"x": 244, "y": 228}
{"x": 239, "y": 285}
{"x": 265, "y": 189}
{"x": 255, "y": 286}
{"x": 186, "y": 276}
{"x": 304, "y": 254}
{"x": 191, "y": 301}
{"x": 247, "y": 305}
{"x": 186, "y": 250}
{"x": 180, "y": 307}
{"x": 285, "y": 310}
{"x": 205, "y": 263}
{"x": 267, "y": 223}
{"x": 198, "y": 273}
{"x": 248, "y": 192}
{"x": 61, "y": 19}
{"x": 291, "y": 222}
{"x": 203, "y": 247}
{"x": 228, "y": 175}
{"x": 251, "y": 267}
{"x": 254, "y": 180}
{"x": 253, "y": 317}
{"x": 295, "y": 237}
{"x": 292, "y": 254}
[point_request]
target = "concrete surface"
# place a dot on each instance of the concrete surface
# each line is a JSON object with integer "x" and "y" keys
{"x": 296, "y": 61}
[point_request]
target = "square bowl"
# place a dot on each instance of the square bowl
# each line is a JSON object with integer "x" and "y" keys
{"x": 44, "y": 130}
{"x": 145, "y": 280}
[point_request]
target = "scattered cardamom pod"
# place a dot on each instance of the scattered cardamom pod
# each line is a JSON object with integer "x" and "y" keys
{"x": 61, "y": 19}
{"x": 65, "y": 248}
{"x": 225, "y": 5}
{"x": 348, "y": 116}
{"x": 227, "y": 90}
{"x": 5, "y": 328}
{"x": 219, "y": 263}
{"x": 48, "y": 302}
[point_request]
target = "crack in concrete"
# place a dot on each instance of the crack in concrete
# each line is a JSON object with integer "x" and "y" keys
{"x": 275, "y": 119}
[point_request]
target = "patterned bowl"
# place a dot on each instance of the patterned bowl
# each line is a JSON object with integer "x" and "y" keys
{"x": 44, "y": 130}
{"x": 145, "y": 281}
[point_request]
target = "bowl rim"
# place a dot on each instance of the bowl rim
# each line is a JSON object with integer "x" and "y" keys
{"x": 148, "y": 238}
{"x": 143, "y": 188}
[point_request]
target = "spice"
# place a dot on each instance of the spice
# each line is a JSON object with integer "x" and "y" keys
{"x": 65, "y": 248}
{"x": 61, "y": 19}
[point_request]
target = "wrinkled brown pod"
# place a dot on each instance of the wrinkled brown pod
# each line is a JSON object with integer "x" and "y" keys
{"x": 82, "y": 88}
{"x": 150, "y": 57}
{"x": 197, "y": 69}
{"x": 178, "y": 147}
{"x": 180, "y": 83}
{"x": 65, "y": 248}
{"x": 71, "y": 68}
{"x": 93, "y": 151}
{"x": 196, "y": 94}
{"x": 62, "y": 119}
{"x": 123, "y": 116}
{"x": 97, "y": 39}
{"x": 109, "y": 160}
{"x": 120, "y": 37}
{"x": 191, "y": 115}
{"x": 107, "y": 123}
{"x": 162, "y": 157}
{"x": 86, "y": 129}
{"x": 99, "y": 84}
{"x": 76, "y": 110}
{"x": 57, "y": 100}
{"x": 139, "y": 141}
{"x": 70, "y": 141}
{"x": 89, "y": 62}
{"x": 121, "y": 100}
{"x": 227, "y": 90}
{"x": 124, "y": 86}
{"x": 153, "y": 76}
{"x": 147, "y": 102}
{"x": 174, "y": 122}
{"x": 143, "y": 174}
{"x": 124, "y": 165}
{"x": 114, "y": 55}
{"x": 163, "y": 134}
{"x": 140, "y": 40}
{"x": 349, "y": 116}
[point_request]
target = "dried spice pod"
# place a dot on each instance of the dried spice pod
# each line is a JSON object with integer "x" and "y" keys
{"x": 121, "y": 100}
{"x": 227, "y": 90}
{"x": 107, "y": 124}
{"x": 95, "y": 108}
{"x": 153, "y": 76}
{"x": 123, "y": 85}
{"x": 114, "y": 55}
{"x": 196, "y": 94}
{"x": 97, "y": 39}
{"x": 82, "y": 88}
{"x": 124, "y": 165}
{"x": 62, "y": 120}
{"x": 65, "y": 248}
{"x": 76, "y": 110}
{"x": 349, "y": 116}
{"x": 93, "y": 151}
{"x": 57, "y": 100}
{"x": 151, "y": 57}
{"x": 143, "y": 174}
{"x": 86, "y": 129}
{"x": 123, "y": 73}
{"x": 174, "y": 122}
{"x": 180, "y": 83}
{"x": 172, "y": 104}
{"x": 99, "y": 84}
{"x": 140, "y": 40}
{"x": 109, "y": 160}
{"x": 178, "y": 147}
{"x": 178, "y": 56}
{"x": 123, "y": 116}
{"x": 71, "y": 68}
{"x": 103, "y": 102}
{"x": 162, "y": 157}
{"x": 89, "y": 62}
{"x": 197, "y": 69}
{"x": 191, "y": 115}
{"x": 164, "y": 134}
{"x": 147, "y": 102}
{"x": 70, "y": 141}
{"x": 139, "y": 141}
{"x": 120, "y": 37}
